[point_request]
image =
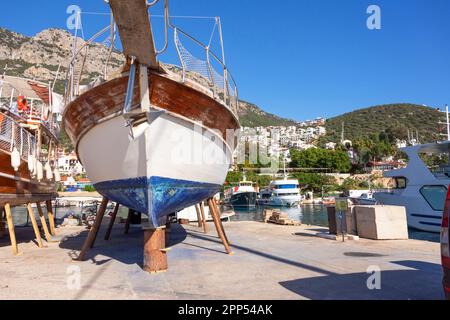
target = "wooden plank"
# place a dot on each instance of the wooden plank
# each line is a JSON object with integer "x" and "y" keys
{"x": 35, "y": 225}
{"x": 218, "y": 214}
{"x": 144, "y": 89}
{"x": 48, "y": 236}
{"x": 217, "y": 223}
{"x": 51, "y": 217}
{"x": 89, "y": 243}
{"x": 111, "y": 222}
{"x": 199, "y": 216}
{"x": 202, "y": 211}
{"x": 133, "y": 23}
{"x": 12, "y": 233}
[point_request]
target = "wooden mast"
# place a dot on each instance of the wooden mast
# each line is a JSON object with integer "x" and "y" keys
{"x": 135, "y": 30}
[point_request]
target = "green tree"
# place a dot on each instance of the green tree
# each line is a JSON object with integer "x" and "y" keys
{"x": 318, "y": 158}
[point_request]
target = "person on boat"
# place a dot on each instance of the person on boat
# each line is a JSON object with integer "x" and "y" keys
{"x": 22, "y": 105}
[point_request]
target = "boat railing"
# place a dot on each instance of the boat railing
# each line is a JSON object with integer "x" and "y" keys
{"x": 220, "y": 83}
{"x": 12, "y": 135}
{"x": 37, "y": 111}
{"x": 209, "y": 72}
{"x": 77, "y": 65}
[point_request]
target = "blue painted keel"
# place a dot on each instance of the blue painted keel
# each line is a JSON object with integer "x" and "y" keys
{"x": 166, "y": 195}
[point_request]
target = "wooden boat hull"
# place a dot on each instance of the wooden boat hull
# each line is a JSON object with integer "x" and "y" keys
{"x": 176, "y": 164}
{"x": 17, "y": 188}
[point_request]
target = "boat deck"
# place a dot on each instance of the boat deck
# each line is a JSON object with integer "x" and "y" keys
{"x": 270, "y": 262}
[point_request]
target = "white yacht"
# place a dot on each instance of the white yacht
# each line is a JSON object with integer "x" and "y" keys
{"x": 281, "y": 193}
{"x": 419, "y": 189}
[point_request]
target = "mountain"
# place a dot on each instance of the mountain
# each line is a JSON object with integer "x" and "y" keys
{"x": 396, "y": 119}
{"x": 40, "y": 56}
{"x": 252, "y": 116}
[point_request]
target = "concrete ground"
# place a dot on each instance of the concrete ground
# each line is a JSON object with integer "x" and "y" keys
{"x": 270, "y": 262}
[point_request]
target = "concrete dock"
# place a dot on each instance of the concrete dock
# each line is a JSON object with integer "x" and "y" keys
{"x": 269, "y": 262}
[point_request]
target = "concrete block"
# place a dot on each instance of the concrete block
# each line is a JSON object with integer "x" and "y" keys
{"x": 382, "y": 222}
{"x": 350, "y": 220}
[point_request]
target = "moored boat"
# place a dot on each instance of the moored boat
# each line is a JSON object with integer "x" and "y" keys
{"x": 281, "y": 193}
{"x": 244, "y": 195}
{"x": 421, "y": 190}
{"x": 28, "y": 141}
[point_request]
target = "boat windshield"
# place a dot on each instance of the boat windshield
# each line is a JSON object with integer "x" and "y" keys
{"x": 286, "y": 186}
{"x": 246, "y": 184}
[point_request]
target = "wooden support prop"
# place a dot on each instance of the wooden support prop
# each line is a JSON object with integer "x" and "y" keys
{"x": 12, "y": 233}
{"x": 202, "y": 210}
{"x": 155, "y": 253}
{"x": 89, "y": 243}
{"x": 35, "y": 225}
{"x": 48, "y": 236}
{"x": 199, "y": 216}
{"x": 111, "y": 223}
{"x": 219, "y": 228}
{"x": 2, "y": 226}
{"x": 51, "y": 217}
{"x": 127, "y": 224}
{"x": 217, "y": 210}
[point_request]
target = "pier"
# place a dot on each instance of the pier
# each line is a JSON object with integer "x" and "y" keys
{"x": 270, "y": 262}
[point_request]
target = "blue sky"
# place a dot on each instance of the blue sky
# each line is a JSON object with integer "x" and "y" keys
{"x": 305, "y": 58}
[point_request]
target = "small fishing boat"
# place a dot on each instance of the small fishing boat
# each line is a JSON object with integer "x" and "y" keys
{"x": 153, "y": 137}
{"x": 244, "y": 195}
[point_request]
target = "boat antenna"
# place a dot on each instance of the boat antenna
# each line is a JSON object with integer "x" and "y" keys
{"x": 284, "y": 168}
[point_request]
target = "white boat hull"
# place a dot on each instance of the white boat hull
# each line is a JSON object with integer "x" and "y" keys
{"x": 174, "y": 165}
{"x": 419, "y": 213}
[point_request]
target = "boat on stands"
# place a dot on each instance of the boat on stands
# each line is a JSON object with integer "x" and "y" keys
{"x": 418, "y": 188}
{"x": 153, "y": 137}
{"x": 29, "y": 132}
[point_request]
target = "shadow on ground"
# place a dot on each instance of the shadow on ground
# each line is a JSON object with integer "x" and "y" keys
{"x": 395, "y": 284}
{"x": 23, "y": 235}
{"x": 125, "y": 248}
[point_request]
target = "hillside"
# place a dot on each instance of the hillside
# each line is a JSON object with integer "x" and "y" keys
{"x": 252, "y": 116}
{"x": 396, "y": 119}
{"x": 38, "y": 57}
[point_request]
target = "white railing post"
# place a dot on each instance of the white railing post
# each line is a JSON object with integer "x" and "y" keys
{"x": 12, "y": 136}
{"x": 11, "y": 99}
{"x": 21, "y": 142}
